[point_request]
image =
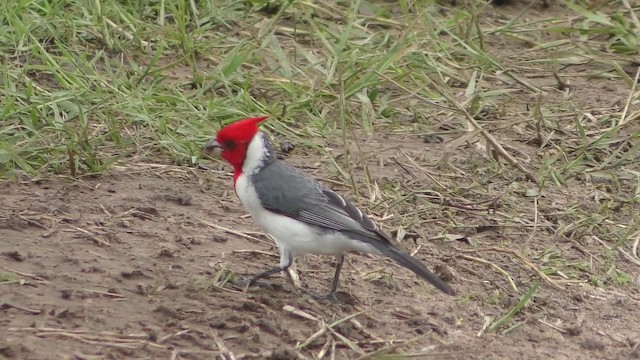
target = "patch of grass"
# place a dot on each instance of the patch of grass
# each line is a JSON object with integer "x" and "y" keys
{"x": 9, "y": 278}
{"x": 88, "y": 84}
{"x": 517, "y": 308}
{"x": 218, "y": 281}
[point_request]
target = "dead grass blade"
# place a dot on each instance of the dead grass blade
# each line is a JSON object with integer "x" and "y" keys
{"x": 493, "y": 265}
{"x": 101, "y": 338}
{"x": 524, "y": 260}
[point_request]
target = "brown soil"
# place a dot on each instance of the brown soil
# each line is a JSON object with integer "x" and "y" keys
{"x": 125, "y": 265}
{"x": 128, "y": 265}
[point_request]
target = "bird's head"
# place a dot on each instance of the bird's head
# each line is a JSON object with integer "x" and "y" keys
{"x": 232, "y": 142}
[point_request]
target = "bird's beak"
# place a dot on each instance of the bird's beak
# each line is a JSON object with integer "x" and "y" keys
{"x": 212, "y": 148}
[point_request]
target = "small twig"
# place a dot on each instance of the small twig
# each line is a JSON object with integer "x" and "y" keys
{"x": 390, "y": 348}
{"x": 105, "y": 211}
{"x": 95, "y": 342}
{"x": 211, "y": 353}
{"x": 171, "y": 336}
{"x": 413, "y": 93}
{"x": 174, "y": 354}
{"x": 234, "y": 232}
{"x": 98, "y": 255}
{"x": 563, "y": 331}
{"x": 35, "y": 277}
{"x": 103, "y": 338}
{"x": 323, "y": 330}
{"x": 500, "y": 150}
{"x": 260, "y": 252}
{"x": 32, "y": 222}
{"x": 490, "y": 138}
{"x": 364, "y": 330}
{"x": 93, "y": 236}
{"x": 621, "y": 251}
{"x": 623, "y": 117}
{"x": 221, "y": 346}
{"x": 327, "y": 346}
{"x": 537, "y": 115}
{"x": 403, "y": 167}
{"x": 422, "y": 170}
{"x": 294, "y": 277}
{"x": 634, "y": 248}
{"x": 353, "y": 346}
{"x": 523, "y": 259}
{"x": 485, "y": 326}
{"x": 300, "y": 313}
{"x": 535, "y": 223}
{"x": 9, "y": 305}
{"x": 119, "y": 296}
{"x": 82, "y": 332}
{"x": 416, "y": 250}
{"x": 493, "y": 265}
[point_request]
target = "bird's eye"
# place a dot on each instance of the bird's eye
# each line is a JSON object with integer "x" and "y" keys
{"x": 229, "y": 145}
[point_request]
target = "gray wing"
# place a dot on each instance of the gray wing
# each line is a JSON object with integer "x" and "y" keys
{"x": 287, "y": 191}
{"x": 300, "y": 197}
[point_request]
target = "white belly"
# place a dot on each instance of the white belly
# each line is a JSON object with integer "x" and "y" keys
{"x": 293, "y": 236}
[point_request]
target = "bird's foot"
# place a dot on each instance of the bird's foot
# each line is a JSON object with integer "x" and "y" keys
{"x": 247, "y": 282}
{"x": 332, "y": 297}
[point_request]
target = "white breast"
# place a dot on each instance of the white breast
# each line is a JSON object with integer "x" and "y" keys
{"x": 293, "y": 236}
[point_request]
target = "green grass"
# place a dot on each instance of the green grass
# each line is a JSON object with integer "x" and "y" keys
{"x": 87, "y": 84}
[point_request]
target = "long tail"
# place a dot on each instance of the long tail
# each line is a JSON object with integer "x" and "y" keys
{"x": 417, "y": 267}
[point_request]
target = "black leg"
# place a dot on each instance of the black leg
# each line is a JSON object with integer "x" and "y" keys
{"x": 332, "y": 296}
{"x": 336, "y": 277}
{"x": 265, "y": 274}
{"x": 286, "y": 259}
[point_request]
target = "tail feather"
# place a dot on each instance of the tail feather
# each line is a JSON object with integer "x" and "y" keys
{"x": 417, "y": 267}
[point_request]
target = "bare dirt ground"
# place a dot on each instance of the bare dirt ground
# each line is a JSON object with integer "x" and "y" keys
{"x": 125, "y": 266}
{"x": 131, "y": 264}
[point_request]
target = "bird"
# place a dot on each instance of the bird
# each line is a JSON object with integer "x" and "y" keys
{"x": 302, "y": 215}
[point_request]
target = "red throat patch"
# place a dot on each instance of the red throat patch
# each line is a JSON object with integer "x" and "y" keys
{"x": 234, "y": 140}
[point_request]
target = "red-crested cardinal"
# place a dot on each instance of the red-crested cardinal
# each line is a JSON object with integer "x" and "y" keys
{"x": 303, "y": 216}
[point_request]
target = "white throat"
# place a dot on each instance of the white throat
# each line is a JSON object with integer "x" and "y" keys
{"x": 256, "y": 154}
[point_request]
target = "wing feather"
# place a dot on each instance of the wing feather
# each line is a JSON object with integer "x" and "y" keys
{"x": 302, "y": 198}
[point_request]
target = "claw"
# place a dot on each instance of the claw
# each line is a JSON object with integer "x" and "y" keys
{"x": 332, "y": 297}
{"x": 247, "y": 282}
